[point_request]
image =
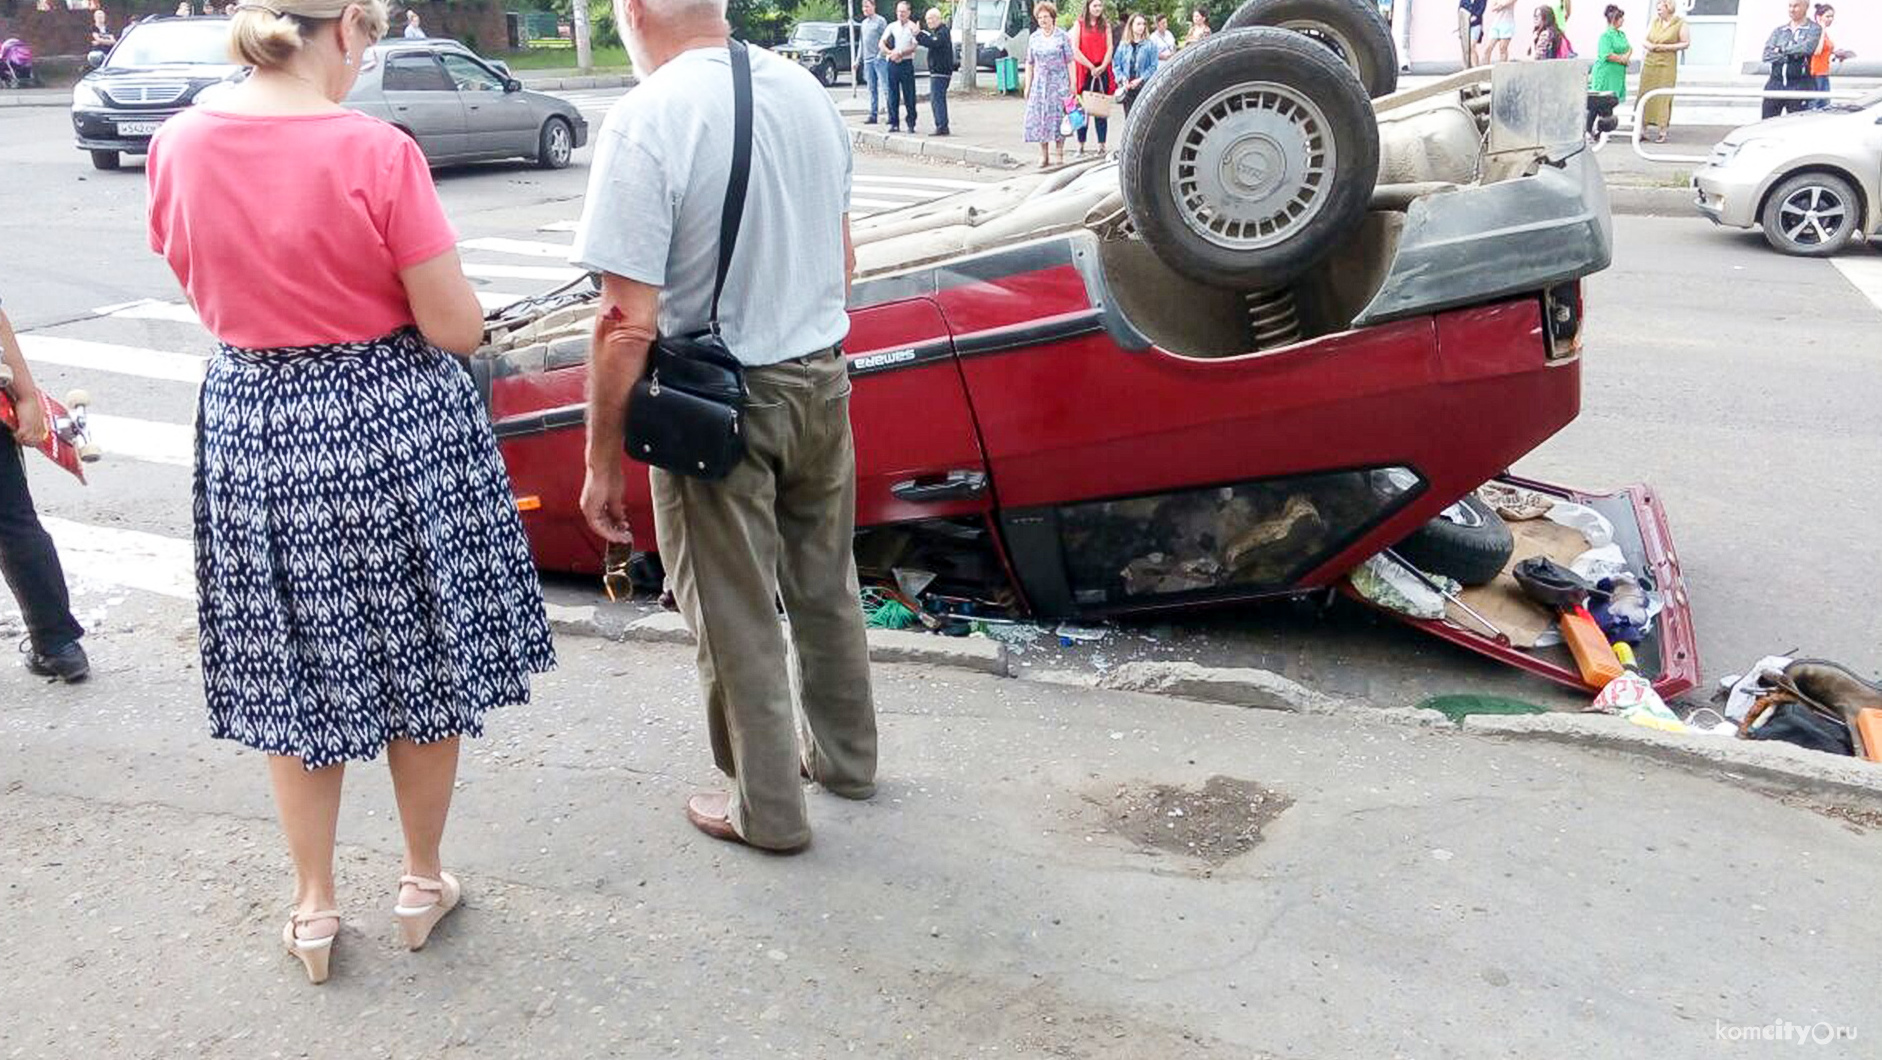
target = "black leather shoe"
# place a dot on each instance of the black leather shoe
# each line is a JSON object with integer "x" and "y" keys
{"x": 65, "y": 663}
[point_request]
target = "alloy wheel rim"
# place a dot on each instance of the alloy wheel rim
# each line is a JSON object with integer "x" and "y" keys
{"x": 1252, "y": 165}
{"x": 1334, "y": 40}
{"x": 559, "y": 143}
{"x": 1804, "y": 213}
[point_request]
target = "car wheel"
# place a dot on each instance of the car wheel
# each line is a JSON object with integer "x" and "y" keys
{"x": 826, "y": 73}
{"x": 1811, "y": 214}
{"x": 1468, "y": 542}
{"x": 1249, "y": 158}
{"x": 104, "y": 159}
{"x": 557, "y": 144}
{"x": 1351, "y": 28}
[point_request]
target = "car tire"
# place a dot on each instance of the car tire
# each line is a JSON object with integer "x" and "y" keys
{"x": 1249, "y": 158}
{"x": 556, "y": 144}
{"x": 826, "y": 74}
{"x": 1793, "y": 215}
{"x": 105, "y": 160}
{"x": 1351, "y": 29}
{"x": 1469, "y": 542}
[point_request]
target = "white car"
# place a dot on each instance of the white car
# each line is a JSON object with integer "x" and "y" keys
{"x": 1811, "y": 180}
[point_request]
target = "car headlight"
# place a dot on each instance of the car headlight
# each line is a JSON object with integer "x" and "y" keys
{"x": 1754, "y": 146}
{"x": 84, "y": 95}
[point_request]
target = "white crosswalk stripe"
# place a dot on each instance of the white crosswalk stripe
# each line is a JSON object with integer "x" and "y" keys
{"x": 110, "y": 357}
{"x": 111, "y": 556}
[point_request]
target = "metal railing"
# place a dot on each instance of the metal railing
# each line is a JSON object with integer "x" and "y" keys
{"x": 1743, "y": 95}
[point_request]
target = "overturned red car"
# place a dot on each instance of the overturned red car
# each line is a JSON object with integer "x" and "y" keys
{"x": 1065, "y": 405}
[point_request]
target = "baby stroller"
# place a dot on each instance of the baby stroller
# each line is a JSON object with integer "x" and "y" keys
{"x": 16, "y": 64}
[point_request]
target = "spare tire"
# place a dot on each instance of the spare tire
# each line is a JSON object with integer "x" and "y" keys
{"x": 1469, "y": 542}
{"x": 1351, "y": 28}
{"x": 1249, "y": 158}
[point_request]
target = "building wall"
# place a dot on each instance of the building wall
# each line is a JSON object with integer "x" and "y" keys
{"x": 1434, "y": 46}
{"x": 479, "y": 23}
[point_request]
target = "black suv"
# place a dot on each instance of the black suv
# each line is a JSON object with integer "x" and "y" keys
{"x": 157, "y": 69}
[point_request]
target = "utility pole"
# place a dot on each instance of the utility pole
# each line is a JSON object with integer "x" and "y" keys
{"x": 578, "y": 24}
{"x": 856, "y": 46}
{"x": 970, "y": 41}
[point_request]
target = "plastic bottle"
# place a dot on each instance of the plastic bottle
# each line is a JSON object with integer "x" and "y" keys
{"x": 1593, "y": 654}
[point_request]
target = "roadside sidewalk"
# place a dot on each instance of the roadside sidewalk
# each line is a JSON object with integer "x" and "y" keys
{"x": 1047, "y": 870}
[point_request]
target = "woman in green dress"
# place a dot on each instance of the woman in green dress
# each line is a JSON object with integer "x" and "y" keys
{"x": 1666, "y": 38}
{"x": 1611, "y": 56}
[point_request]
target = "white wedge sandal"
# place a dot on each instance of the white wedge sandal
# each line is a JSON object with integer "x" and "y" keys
{"x": 316, "y": 955}
{"x": 416, "y": 921}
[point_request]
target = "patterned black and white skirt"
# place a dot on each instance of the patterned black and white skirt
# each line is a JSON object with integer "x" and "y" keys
{"x": 362, "y": 574}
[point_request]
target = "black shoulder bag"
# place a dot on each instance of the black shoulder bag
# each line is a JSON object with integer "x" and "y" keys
{"x": 686, "y": 413}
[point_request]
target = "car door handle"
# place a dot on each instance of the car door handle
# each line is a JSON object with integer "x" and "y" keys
{"x": 952, "y": 486}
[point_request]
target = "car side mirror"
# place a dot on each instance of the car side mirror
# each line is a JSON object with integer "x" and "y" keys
{"x": 500, "y": 67}
{"x": 95, "y": 59}
{"x": 512, "y": 85}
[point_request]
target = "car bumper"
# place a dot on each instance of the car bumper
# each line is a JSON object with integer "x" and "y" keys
{"x": 99, "y": 130}
{"x": 1483, "y": 243}
{"x": 1725, "y": 197}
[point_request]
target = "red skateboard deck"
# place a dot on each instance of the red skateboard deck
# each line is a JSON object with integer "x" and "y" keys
{"x": 68, "y": 443}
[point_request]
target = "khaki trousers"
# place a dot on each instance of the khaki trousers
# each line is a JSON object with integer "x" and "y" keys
{"x": 779, "y": 526}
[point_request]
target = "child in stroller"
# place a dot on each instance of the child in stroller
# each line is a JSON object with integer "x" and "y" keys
{"x": 16, "y": 64}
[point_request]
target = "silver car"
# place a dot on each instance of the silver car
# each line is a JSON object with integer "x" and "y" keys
{"x": 1811, "y": 180}
{"x": 461, "y": 107}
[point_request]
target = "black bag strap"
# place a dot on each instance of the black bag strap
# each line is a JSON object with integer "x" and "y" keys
{"x": 735, "y": 183}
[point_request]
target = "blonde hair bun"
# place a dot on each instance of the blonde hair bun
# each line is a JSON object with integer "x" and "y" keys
{"x": 268, "y": 35}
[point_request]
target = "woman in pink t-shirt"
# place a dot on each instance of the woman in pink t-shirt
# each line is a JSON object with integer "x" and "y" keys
{"x": 363, "y": 583}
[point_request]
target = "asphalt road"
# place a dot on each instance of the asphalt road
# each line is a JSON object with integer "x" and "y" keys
{"x": 1740, "y": 383}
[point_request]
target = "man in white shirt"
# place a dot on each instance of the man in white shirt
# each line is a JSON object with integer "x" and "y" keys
{"x": 780, "y": 525}
{"x": 413, "y": 29}
{"x": 898, "y": 53}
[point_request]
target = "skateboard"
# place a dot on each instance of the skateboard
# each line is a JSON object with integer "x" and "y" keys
{"x": 68, "y": 444}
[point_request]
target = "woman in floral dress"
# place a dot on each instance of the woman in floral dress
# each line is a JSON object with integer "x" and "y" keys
{"x": 1048, "y": 83}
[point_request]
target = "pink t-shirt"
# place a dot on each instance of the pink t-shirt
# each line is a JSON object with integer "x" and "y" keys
{"x": 291, "y": 231}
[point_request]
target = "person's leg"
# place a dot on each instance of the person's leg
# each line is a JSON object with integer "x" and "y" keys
{"x": 873, "y": 78}
{"x": 1772, "y": 107}
{"x": 908, "y": 92}
{"x": 938, "y": 100}
{"x": 422, "y": 779}
{"x": 892, "y": 73}
{"x": 308, "y": 804}
{"x": 719, "y": 541}
{"x": 1104, "y": 129}
{"x": 817, "y": 576}
{"x": 30, "y": 562}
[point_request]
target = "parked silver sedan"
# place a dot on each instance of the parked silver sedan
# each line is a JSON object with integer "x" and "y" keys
{"x": 461, "y": 107}
{"x": 1811, "y": 180}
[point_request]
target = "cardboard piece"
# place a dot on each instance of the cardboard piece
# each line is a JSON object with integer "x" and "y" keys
{"x": 1502, "y": 600}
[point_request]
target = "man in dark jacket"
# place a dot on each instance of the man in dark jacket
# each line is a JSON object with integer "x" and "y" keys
{"x": 940, "y": 67}
{"x": 1788, "y": 50}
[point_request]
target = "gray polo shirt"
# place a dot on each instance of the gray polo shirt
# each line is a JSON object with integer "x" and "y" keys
{"x": 872, "y": 37}
{"x": 657, "y": 185}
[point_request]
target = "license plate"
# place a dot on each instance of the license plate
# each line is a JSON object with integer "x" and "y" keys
{"x": 138, "y": 128}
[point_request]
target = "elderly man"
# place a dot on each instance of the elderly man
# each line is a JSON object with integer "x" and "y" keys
{"x": 898, "y": 55}
{"x": 779, "y": 526}
{"x": 940, "y": 45}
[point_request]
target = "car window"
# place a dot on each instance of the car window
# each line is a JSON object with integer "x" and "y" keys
{"x": 203, "y": 42}
{"x": 471, "y": 76}
{"x": 416, "y": 72}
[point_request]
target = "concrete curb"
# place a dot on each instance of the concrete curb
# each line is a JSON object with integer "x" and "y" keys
{"x": 940, "y": 150}
{"x": 1776, "y": 765}
{"x": 18, "y": 98}
{"x": 1766, "y": 761}
{"x": 885, "y": 645}
{"x": 564, "y": 84}
{"x": 1634, "y": 200}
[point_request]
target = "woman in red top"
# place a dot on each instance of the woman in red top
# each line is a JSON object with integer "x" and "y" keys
{"x": 363, "y": 583}
{"x": 1091, "y": 55}
{"x": 1826, "y": 51}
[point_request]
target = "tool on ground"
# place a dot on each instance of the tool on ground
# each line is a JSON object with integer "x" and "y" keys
{"x": 1447, "y": 594}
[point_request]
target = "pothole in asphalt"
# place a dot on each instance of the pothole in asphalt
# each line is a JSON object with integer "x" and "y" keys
{"x": 1216, "y": 823}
